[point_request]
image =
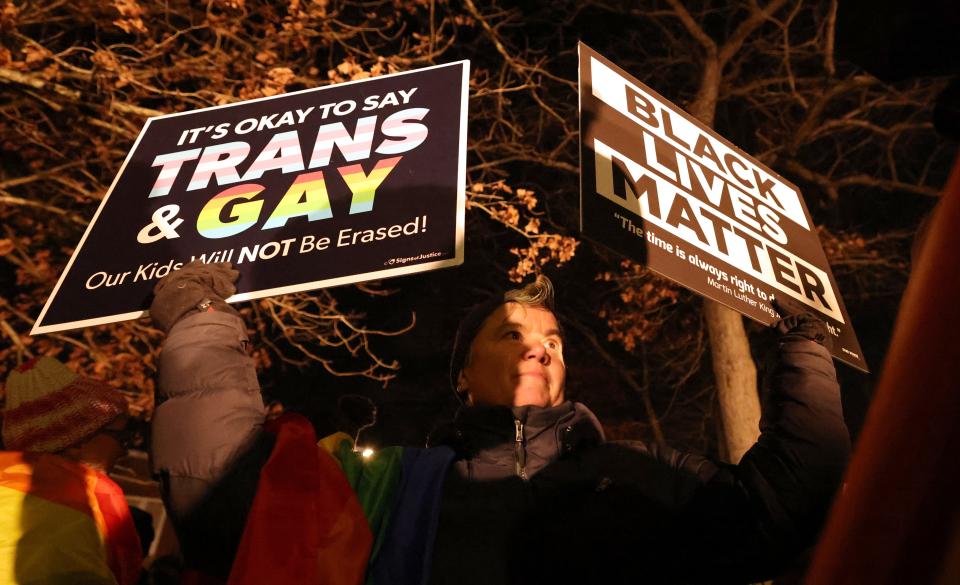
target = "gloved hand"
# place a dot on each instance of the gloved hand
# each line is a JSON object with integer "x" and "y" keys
{"x": 195, "y": 287}
{"x": 797, "y": 321}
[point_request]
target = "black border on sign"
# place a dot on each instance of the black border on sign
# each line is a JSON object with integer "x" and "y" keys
{"x": 838, "y": 352}
{"x": 40, "y": 327}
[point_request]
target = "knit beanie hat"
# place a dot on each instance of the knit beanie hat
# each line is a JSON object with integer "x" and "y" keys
{"x": 50, "y": 408}
{"x": 469, "y": 327}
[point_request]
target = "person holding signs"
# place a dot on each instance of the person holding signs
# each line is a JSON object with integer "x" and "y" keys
{"x": 521, "y": 488}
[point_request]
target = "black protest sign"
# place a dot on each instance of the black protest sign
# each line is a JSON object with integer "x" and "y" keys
{"x": 317, "y": 188}
{"x": 663, "y": 189}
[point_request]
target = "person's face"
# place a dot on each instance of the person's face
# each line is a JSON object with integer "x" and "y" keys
{"x": 516, "y": 359}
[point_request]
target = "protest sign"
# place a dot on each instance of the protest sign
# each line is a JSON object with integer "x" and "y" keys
{"x": 662, "y": 188}
{"x": 327, "y": 186}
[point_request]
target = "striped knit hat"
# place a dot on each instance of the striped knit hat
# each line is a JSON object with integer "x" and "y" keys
{"x": 50, "y": 408}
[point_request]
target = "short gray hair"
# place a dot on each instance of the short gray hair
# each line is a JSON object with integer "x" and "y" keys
{"x": 538, "y": 293}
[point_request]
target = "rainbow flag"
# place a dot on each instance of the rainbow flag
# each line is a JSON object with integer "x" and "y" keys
{"x": 306, "y": 525}
{"x": 63, "y": 523}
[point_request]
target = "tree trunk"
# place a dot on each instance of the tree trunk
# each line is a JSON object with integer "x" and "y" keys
{"x": 736, "y": 377}
{"x": 733, "y": 366}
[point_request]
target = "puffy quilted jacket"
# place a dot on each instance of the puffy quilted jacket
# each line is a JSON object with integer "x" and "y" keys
{"x": 534, "y": 495}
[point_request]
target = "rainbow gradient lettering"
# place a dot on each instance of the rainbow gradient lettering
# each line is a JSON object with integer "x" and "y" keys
{"x": 306, "y": 196}
{"x": 244, "y": 214}
{"x": 364, "y": 186}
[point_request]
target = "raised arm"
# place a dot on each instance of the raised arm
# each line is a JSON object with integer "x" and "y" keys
{"x": 207, "y": 445}
{"x": 661, "y": 516}
{"x": 804, "y": 444}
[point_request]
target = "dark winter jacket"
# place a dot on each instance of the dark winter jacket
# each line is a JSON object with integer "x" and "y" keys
{"x": 536, "y": 495}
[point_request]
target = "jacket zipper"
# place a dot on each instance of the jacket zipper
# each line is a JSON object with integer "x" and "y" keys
{"x": 520, "y": 454}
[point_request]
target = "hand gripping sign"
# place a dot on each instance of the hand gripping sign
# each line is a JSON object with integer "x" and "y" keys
{"x": 660, "y": 187}
{"x": 344, "y": 183}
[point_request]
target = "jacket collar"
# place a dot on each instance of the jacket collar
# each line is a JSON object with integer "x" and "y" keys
{"x": 484, "y": 437}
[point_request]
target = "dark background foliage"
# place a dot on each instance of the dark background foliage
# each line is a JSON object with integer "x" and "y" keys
{"x": 78, "y": 78}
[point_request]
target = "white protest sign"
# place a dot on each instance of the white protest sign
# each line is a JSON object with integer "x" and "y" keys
{"x": 664, "y": 189}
